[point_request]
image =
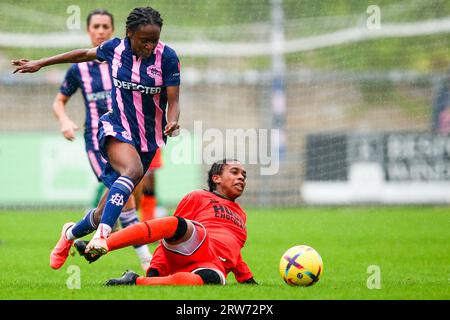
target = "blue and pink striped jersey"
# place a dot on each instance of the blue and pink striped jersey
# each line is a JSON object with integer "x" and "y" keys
{"x": 95, "y": 81}
{"x": 139, "y": 95}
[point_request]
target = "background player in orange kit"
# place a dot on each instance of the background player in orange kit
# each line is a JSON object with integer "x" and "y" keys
{"x": 145, "y": 192}
{"x": 201, "y": 243}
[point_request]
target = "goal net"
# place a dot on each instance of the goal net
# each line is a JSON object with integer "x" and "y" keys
{"x": 324, "y": 102}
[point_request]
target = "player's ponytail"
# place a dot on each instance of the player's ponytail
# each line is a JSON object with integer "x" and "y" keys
{"x": 216, "y": 169}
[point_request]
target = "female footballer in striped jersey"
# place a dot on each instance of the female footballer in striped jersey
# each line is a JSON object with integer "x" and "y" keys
{"x": 145, "y": 110}
{"x": 94, "y": 80}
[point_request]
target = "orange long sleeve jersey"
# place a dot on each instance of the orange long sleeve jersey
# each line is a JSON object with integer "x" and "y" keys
{"x": 225, "y": 222}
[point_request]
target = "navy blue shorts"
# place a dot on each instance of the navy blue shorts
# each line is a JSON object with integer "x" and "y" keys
{"x": 108, "y": 128}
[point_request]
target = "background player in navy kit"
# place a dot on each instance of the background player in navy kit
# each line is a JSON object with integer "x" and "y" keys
{"x": 145, "y": 103}
{"x": 441, "y": 107}
{"x": 94, "y": 80}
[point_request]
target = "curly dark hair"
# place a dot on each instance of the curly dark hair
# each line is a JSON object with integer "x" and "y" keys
{"x": 216, "y": 169}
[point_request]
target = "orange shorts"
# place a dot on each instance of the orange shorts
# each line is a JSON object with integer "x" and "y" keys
{"x": 157, "y": 161}
{"x": 190, "y": 256}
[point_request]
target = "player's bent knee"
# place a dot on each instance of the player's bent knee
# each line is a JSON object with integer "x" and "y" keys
{"x": 135, "y": 173}
{"x": 180, "y": 231}
{"x": 209, "y": 276}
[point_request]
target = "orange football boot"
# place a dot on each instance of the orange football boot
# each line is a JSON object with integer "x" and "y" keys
{"x": 61, "y": 251}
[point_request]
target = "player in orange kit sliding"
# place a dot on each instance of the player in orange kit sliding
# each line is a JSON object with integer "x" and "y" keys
{"x": 201, "y": 243}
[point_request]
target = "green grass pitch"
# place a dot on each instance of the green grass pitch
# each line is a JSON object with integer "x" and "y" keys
{"x": 410, "y": 245}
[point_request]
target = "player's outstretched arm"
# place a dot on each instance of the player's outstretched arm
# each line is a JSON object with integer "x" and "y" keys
{"x": 74, "y": 56}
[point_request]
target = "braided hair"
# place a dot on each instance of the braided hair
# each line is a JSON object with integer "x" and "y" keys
{"x": 143, "y": 16}
{"x": 217, "y": 169}
{"x": 100, "y": 12}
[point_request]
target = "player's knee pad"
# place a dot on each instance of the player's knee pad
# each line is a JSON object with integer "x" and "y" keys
{"x": 180, "y": 231}
{"x": 152, "y": 272}
{"x": 209, "y": 276}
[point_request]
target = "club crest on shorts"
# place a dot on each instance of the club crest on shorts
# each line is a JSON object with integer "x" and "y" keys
{"x": 126, "y": 135}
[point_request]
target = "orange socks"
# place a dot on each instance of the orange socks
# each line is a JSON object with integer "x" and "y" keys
{"x": 147, "y": 207}
{"x": 143, "y": 233}
{"x": 180, "y": 279}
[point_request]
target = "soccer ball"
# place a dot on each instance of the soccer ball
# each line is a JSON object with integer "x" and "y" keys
{"x": 301, "y": 266}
